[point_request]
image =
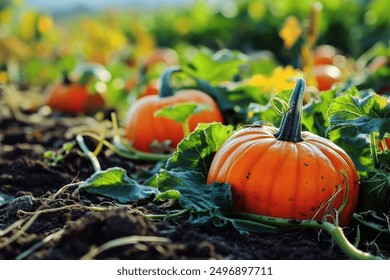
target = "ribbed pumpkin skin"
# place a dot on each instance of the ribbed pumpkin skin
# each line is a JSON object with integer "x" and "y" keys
{"x": 284, "y": 179}
{"x": 142, "y": 127}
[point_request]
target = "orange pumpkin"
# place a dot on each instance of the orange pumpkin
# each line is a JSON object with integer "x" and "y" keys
{"x": 326, "y": 76}
{"x": 73, "y": 96}
{"x": 143, "y": 128}
{"x": 326, "y": 69}
{"x": 324, "y": 55}
{"x": 286, "y": 173}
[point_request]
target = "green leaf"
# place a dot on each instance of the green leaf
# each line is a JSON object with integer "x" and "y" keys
{"x": 207, "y": 202}
{"x": 181, "y": 112}
{"x": 114, "y": 183}
{"x": 280, "y": 102}
{"x": 169, "y": 194}
{"x": 375, "y": 191}
{"x": 194, "y": 193}
{"x": 196, "y": 152}
{"x": 186, "y": 172}
{"x": 367, "y": 115}
{"x": 214, "y": 67}
{"x": 314, "y": 117}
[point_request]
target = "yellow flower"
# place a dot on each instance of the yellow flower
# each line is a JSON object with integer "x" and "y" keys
{"x": 3, "y": 77}
{"x": 290, "y": 31}
{"x": 280, "y": 79}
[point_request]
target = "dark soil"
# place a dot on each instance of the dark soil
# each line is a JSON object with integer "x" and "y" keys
{"x": 51, "y": 222}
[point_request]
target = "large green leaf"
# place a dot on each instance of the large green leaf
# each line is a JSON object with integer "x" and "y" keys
{"x": 196, "y": 152}
{"x": 214, "y": 67}
{"x": 207, "y": 202}
{"x": 366, "y": 115}
{"x": 115, "y": 183}
{"x": 195, "y": 194}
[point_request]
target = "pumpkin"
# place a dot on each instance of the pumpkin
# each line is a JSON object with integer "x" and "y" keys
{"x": 326, "y": 76}
{"x": 143, "y": 128}
{"x": 73, "y": 96}
{"x": 285, "y": 172}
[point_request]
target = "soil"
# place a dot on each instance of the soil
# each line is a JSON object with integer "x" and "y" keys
{"x": 46, "y": 220}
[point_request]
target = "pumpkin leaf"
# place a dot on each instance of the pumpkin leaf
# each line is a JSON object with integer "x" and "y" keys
{"x": 114, "y": 183}
{"x": 196, "y": 152}
{"x": 169, "y": 194}
{"x": 214, "y": 67}
{"x": 181, "y": 112}
{"x": 366, "y": 115}
{"x": 314, "y": 117}
{"x": 209, "y": 203}
{"x": 194, "y": 193}
{"x": 280, "y": 102}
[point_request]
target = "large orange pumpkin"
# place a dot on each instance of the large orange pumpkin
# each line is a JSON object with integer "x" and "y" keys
{"x": 143, "y": 128}
{"x": 286, "y": 173}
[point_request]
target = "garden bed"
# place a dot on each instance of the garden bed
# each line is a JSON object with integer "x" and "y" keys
{"x": 69, "y": 227}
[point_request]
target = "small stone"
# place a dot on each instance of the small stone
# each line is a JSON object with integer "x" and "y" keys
{"x": 25, "y": 203}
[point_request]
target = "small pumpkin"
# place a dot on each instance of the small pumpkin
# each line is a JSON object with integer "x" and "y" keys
{"x": 143, "y": 128}
{"x": 286, "y": 173}
{"x": 327, "y": 76}
{"x": 73, "y": 95}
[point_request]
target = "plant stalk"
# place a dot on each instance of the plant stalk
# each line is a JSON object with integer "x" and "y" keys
{"x": 169, "y": 215}
{"x": 374, "y": 150}
{"x": 186, "y": 128}
{"x": 291, "y": 126}
{"x": 335, "y": 231}
{"x": 166, "y": 77}
{"x": 93, "y": 159}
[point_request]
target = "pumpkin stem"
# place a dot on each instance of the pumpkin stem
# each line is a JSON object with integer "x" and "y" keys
{"x": 65, "y": 77}
{"x": 166, "y": 77}
{"x": 291, "y": 126}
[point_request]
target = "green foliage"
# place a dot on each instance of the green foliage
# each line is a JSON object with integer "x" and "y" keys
{"x": 367, "y": 115}
{"x": 216, "y": 67}
{"x": 56, "y": 157}
{"x": 181, "y": 112}
{"x": 196, "y": 152}
{"x": 115, "y": 183}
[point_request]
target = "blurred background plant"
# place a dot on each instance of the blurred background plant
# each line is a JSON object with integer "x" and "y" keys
{"x": 132, "y": 38}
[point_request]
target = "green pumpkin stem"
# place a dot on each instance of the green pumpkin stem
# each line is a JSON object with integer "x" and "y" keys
{"x": 291, "y": 126}
{"x": 166, "y": 77}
